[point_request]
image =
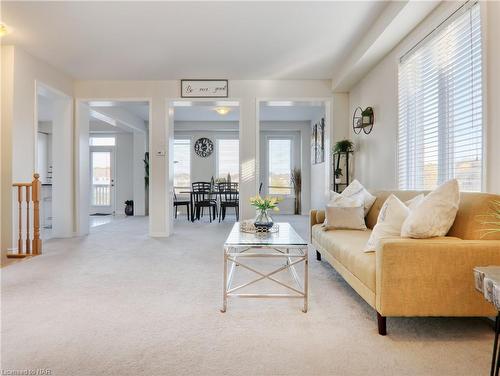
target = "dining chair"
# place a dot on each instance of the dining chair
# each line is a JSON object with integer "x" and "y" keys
{"x": 203, "y": 197}
{"x": 182, "y": 202}
{"x": 229, "y": 198}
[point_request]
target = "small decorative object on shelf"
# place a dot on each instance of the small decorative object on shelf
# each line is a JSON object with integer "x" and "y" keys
{"x": 341, "y": 152}
{"x": 263, "y": 221}
{"x": 129, "y": 207}
{"x": 363, "y": 120}
{"x": 338, "y": 175}
{"x": 249, "y": 226}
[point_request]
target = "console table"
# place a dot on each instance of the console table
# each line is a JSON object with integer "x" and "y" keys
{"x": 487, "y": 281}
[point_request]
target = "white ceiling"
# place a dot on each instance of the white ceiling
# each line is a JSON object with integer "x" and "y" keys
{"x": 44, "y": 108}
{"x": 171, "y": 40}
{"x": 139, "y": 109}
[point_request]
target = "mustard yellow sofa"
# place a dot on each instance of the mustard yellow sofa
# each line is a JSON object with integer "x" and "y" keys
{"x": 414, "y": 277}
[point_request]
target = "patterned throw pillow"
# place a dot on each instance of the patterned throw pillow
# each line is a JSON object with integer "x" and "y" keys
{"x": 390, "y": 219}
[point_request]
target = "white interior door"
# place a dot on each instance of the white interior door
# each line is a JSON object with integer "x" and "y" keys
{"x": 102, "y": 181}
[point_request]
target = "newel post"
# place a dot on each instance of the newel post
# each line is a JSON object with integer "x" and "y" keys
{"x": 35, "y": 195}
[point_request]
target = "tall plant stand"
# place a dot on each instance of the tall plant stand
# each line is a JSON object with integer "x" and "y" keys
{"x": 341, "y": 160}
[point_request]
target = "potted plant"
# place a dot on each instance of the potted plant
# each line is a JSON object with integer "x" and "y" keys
{"x": 338, "y": 175}
{"x": 343, "y": 146}
{"x": 129, "y": 207}
{"x": 296, "y": 176}
{"x": 263, "y": 221}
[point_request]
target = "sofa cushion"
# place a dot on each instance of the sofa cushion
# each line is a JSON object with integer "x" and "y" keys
{"x": 346, "y": 246}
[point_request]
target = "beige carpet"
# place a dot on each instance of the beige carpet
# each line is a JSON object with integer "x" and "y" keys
{"x": 119, "y": 303}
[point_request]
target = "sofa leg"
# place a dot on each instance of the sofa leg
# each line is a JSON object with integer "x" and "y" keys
{"x": 382, "y": 328}
{"x": 318, "y": 256}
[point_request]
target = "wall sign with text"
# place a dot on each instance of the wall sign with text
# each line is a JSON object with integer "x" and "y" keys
{"x": 204, "y": 88}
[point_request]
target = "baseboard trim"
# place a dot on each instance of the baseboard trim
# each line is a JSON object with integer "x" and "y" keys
{"x": 159, "y": 234}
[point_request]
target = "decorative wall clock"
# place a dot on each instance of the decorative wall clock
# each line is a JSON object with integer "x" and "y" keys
{"x": 204, "y": 147}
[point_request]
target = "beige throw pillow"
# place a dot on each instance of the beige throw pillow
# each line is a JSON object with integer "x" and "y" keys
{"x": 435, "y": 215}
{"x": 344, "y": 213}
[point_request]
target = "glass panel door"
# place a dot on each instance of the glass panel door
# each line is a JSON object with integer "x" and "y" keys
{"x": 102, "y": 182}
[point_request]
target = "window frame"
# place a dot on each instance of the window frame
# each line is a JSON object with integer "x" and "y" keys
{"x": 267, "y": 170}
{"x": 184, "y": 138}
{"x": 452, "y": 15}
{"x": 219, "y": 138}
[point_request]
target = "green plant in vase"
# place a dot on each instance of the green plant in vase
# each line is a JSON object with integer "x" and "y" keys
{"x": 344, "y": 146}
{"x": 263, "y": 206}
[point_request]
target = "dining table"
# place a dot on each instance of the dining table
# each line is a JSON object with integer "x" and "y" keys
{"x": 191, "y": 194}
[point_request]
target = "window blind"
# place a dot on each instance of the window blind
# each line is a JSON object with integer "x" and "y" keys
{"x": 440, "y": 106}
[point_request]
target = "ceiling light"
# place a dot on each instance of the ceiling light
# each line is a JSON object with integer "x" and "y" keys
{"x": 4, "y": 29}
{"x": 222, "y": 110}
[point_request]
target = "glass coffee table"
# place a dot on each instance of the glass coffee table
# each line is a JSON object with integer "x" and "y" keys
{"x": 284, "y": 244}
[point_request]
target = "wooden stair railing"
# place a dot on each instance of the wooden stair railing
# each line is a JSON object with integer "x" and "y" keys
{"x": 33, "y": 247}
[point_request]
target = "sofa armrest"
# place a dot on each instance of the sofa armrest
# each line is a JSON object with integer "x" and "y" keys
{"x": 315, "y": 217}
{"x": 432, "y": 277}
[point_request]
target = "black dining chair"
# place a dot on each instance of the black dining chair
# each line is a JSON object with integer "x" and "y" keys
{"x": 203, "y": 197}
{"x": 182, "y": 202}
{"x": 229, "y": 198}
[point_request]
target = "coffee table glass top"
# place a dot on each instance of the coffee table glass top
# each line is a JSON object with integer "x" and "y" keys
{"x": 286, "y": 236}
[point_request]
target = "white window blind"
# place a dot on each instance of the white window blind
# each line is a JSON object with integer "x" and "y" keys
{"x": 228, "y": 159}
{"x": 182, "y": 164}
{"x": 440, "y": 106}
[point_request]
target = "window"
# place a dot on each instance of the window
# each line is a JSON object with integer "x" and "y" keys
{"x": 102, "y": 141}
{"x": 440, "y": 106}
{"x": 101, "y": 178}
{"x": 280, "y": 166}
{"x": 228, "y": 159}
{"x": 182, "y": 164}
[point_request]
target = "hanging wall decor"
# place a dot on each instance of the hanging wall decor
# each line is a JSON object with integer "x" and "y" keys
{"x": 318, "y": 142}
{"x": 363, "y": 120}
{"x": 314, "y": 136}
{"x": 203, "y": 147}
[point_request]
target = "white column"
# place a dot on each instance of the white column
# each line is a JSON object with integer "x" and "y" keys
{"x": 139, "y": 173}
{"x": 82, "y": 168}
{"x": 62, "y": 159}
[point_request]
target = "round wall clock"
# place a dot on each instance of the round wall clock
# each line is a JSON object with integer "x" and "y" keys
{"x": 204, "y": 147}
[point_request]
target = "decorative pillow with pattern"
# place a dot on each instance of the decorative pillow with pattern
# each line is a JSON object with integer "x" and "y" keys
{"x": 390, "y": 219}
{"x": 356, "y": 190}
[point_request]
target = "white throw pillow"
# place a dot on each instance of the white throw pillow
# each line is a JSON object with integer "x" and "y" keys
{"x": 357, "y": 191}
{"x": 435, "y": 215}
{"x": 344, "y": 213}
{"x": 415, "y": 201}
{"x": 390, "y": 219}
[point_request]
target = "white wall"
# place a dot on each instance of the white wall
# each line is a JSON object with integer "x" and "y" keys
{"x": 375, "y": 156}
{"x": 124, "y": 171}
{"x": 245, "y": 91}
{"x": 20, "y": 71}
{"x": 203, "y": 169}
{"x": 491, "y": 30}
{"x": 318, "y": 175}
{"x": 139, "y": 187}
